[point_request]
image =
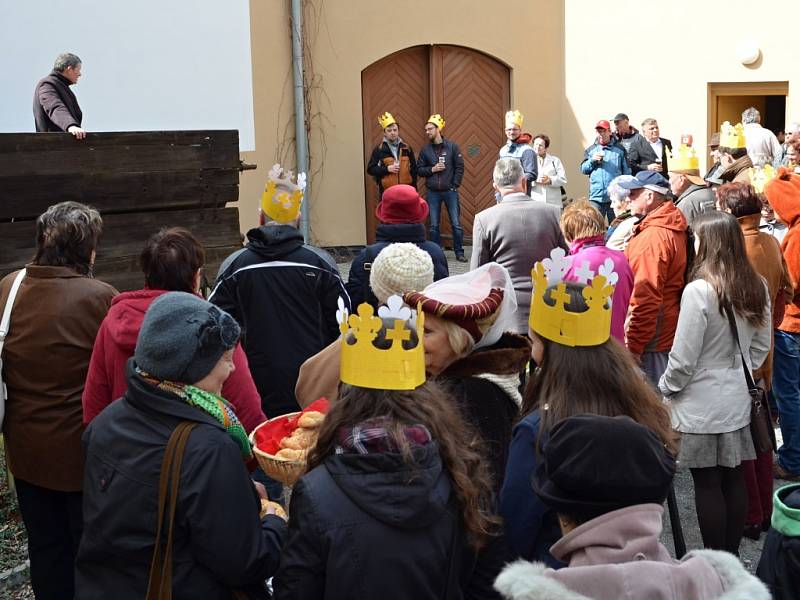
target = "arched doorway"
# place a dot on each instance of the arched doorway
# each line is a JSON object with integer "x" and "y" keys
{"x": 472, "y": 92}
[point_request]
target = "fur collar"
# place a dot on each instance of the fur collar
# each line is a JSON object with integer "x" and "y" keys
{"x": 522, "y": 580}
{"x": 508, "y": 356}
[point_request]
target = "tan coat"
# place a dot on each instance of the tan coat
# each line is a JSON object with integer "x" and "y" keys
{"x": 54, "y": 321}
{"x": 766, "y": 257}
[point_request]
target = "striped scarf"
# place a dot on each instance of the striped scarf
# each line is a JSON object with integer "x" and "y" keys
{"x": 211, "y": 403}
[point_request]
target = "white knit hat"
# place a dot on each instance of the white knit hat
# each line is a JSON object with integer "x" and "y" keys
{"x": 400, "y": 268}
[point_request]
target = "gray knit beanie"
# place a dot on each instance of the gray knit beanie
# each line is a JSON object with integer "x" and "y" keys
{"x": 183, "y": 337}
{"x": 400, "y": 268}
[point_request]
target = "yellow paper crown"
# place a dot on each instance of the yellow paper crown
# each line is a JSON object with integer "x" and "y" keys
{"x": 759, "y": 176}
{"x": 282, "y": 199}
{"x": 437, "y": 120}
{"x": 515, "y": 117}
{"x": 684, "y": 159}
{"x": 556, "y": 323}
{"x": 731, "y": 136}
{"x": 365, "y": 365}
{"x": 386, "y": 119}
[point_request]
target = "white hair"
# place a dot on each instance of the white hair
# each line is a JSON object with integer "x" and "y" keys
{"x": 507, "y": 172}
{"x": 751, "y": 115}
{"x": 792, "y": 127}
{"x": 616, "y": 191}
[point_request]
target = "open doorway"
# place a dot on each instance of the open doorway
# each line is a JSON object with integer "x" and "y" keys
{"x": 727, "y": 101}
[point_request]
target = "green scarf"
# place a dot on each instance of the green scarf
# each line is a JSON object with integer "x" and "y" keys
{"x": 211, "y": 403}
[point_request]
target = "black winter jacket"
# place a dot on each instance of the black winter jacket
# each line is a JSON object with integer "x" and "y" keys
{"x": 284, "y": 295}
{"x": 450, "y": 178}
{"x": 779, "y": 565}
{"x": 390, "y": 233}
{"x": 370, "y": 526}
{"x": 378, "y": 169}
{"x": 55, "y": 107}
{"x": 219, "y": 542}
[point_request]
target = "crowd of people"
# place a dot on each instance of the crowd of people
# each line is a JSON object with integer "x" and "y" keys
{"x": 509, "y": 432}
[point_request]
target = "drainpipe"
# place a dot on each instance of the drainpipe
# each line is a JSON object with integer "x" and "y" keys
{"x": 301, "y": 138}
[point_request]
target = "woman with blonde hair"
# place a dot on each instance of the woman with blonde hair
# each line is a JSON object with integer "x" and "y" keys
{"x": 584, "y": 229}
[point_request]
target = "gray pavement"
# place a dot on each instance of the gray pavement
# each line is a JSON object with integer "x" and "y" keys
{"x": 750, "y": 550}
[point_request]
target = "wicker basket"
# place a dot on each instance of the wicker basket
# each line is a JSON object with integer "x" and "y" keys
{"x": 285, "y": 471}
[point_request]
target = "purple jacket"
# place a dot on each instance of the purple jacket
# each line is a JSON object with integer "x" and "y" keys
{"x": 594, "y": 252}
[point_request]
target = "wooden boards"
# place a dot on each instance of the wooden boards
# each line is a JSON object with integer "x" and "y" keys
{"x": 139, "y": 181}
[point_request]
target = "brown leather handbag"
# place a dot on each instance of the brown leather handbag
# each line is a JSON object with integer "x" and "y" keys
{"x": 159, "y": 586}
{"x": 762, "y": 429}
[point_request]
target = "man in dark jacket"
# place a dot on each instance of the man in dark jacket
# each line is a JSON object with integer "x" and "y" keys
{"x": 55, "y": 107}
{"x": 441, "y": 163}
{"x": 392, "y": 161}
{"x": 402, "y": 212}
{"x": 284, "y": 294}
{"x": 648, "y": 152}
{"x": 624, "y": 132}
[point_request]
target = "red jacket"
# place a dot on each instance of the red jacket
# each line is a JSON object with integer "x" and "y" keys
{"x": 657, "y": 255}
{"x": 115, "y": 343}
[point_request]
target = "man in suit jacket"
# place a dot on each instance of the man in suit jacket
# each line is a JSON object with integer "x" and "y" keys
{"x": 517, "y": 232}
{"x": 648, "y": 152}
{"x": 55, "y": 107}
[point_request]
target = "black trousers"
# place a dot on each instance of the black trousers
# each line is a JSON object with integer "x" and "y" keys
{"x": 54, "y": 522}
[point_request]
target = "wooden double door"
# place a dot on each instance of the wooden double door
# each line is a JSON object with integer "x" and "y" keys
{"x": 469, "y": 89}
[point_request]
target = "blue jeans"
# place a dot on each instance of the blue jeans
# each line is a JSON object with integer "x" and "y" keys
{"x": 450, "y": 198}
{"x": 786, "y": 387}
{"x": 605, "y": 209}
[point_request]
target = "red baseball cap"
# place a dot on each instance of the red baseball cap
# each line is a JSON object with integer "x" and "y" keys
{"x": 402, "y": 204}
{"x": 603, "y": 124}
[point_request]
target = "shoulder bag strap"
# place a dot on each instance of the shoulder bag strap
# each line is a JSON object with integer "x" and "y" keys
{"x": 159, "y": 586}
{"x": 751, "y": 385}
{"x": 5, "y": 322}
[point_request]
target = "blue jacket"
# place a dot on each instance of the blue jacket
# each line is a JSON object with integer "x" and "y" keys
{"x": 530, "y": 527}
{"x": 601, "y": 173}
{"x": 357, "y": 285}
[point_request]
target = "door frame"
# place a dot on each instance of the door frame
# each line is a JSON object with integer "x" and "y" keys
{"x": 739, "y": 88}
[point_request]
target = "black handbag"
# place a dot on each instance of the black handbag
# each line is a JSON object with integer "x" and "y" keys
{"x": 762, "y": 429}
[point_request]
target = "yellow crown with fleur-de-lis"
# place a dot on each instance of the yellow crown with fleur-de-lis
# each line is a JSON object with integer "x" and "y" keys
{"x": 514, "y": 117}
{"x": 552, "y": 320}
{"x": 683, "y": 159}
{"x": 282, "y": 198}
{"x": 386, "y": 119}
{"x": 731, "y": 136}
{"x": 366, "y": 365}
{"x": 437, "y": 120}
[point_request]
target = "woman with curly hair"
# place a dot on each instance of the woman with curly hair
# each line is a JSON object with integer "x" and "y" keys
{"x": 396, "y": 502}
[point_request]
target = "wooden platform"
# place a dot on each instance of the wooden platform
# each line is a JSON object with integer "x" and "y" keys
{"x": 139, "y": 181}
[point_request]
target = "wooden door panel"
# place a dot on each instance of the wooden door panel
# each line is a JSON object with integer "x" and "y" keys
{"x": 475, "y": 96}
{"x": 470, "y": 90}
{"x": 397, "y": 84}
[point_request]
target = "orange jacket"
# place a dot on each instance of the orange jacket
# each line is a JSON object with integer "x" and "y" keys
{"x": 785, "y": 201}
{"x": 657, "y": 255}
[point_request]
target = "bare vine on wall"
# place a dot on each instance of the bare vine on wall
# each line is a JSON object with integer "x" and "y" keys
{"x": 315, "y": 99}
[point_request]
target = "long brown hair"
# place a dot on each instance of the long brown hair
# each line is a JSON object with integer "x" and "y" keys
{"x": 428, "y": 405}
{"x": 722, "y": 262}
{"x": 600, "y": 380}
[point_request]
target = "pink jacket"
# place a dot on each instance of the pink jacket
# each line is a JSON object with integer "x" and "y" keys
{"x": 115, "y": 343}
{"x": 617, "y": 556}
{"x": 594, "y": 252}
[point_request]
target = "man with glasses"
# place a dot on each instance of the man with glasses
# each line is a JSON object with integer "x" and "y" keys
{"x": 603, "y": 161}
{"x": 518, "y": 146}
{"x": 442, "y": 165}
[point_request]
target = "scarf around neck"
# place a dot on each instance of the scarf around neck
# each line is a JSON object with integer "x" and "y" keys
{"x": 210, "y": 403}
{"x": 372, "y": 437}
